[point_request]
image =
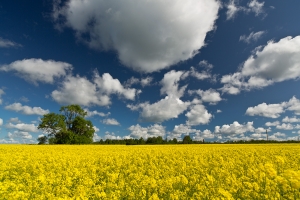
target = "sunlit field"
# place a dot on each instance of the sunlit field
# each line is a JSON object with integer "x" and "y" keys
{"x": 150, "y": 172}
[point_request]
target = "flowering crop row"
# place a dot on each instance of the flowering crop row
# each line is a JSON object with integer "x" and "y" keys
{"x": 150, "y": 172}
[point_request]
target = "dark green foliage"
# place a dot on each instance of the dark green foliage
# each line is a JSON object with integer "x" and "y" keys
{"x": 155, "y": 140}
{"x": 52, "y": 123}
{"x": 174, "y": 141}
{"x": 42, "y": 140}
{"x": 69, "y": 127}
{"x": 187, "y": 140}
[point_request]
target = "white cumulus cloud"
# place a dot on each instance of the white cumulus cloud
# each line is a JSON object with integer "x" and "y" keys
{"x": 147, "y": 35}
{"x": 291, "y": 120}
{"x": 272, "y": 123}
{"x": 285, "y": 126}
{"x": 27, "y": 110}
{"x": 1, "y": 122}
{"x": 95, "y": 112}
{"x": 198, "y": 115}
{"x": 170, "y": 84}
{"x": 169, "y": 107}
{"x": 38, "y": 70}
{"x": 22, "y": 127}
{"x": 253, "y": 6}
{"x": 80, "y": 90}
{"x": 275, "y": 62}
{"x": 266, "y": 110}
{"x": 210, "y": 95}
{"x": 143, "y": 81}
{"x": 235, "y": 128}
{"x": 184, "y": 129}
{"x": 256, "y": 7}
{"x": 165, "y": 109}
{"x": 19, "y": 135}
{"x": 111, "y": 121}
{"x": 136, "y": 131}
{"x": 294, "y": 105}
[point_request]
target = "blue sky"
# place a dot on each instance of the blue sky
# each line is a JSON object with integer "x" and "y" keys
{"x": 217, "y": 70}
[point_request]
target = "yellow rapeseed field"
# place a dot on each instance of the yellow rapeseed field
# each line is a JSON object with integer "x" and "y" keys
{"x": 150, "y": 172}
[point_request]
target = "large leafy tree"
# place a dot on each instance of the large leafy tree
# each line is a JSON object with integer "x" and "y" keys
{"x": 68, "y": 127}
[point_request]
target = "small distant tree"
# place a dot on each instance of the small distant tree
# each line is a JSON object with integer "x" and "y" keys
{"x": 42, "y": 140}
{"x": 174, "y": 141}
{"x": 68, "y": 127}
{"x": 187, "y": 140}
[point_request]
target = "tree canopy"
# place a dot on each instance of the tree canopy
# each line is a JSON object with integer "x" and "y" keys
{"x": 68, "y": 127}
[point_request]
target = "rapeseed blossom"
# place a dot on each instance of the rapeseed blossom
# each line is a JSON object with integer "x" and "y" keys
{"x": 150, "y": 172}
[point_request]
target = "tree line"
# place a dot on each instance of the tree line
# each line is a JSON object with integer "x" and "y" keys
{"x": 150, "y": 140}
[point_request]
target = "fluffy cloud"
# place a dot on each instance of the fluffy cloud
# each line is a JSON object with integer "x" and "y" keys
{"x": 290, "y": 120}
{"x": 256, "y": 7}
{"x": 151, "y": 131}
{"x": 14, "y": 120}
{"x": 277, "y": 136}
{"x": 1, "y": 122}
{"x": 268, "y": 63}
{"x": 211, "y": 95}
{"x": 170, "y": 84}
{"x": 143, "y": 81}
{"x": 206, "y": 134}
{"x": 22, "y": 127}
{"x": 232, "y": 9}
{"x": 147, "y": 35}
{"x": 146, "y": 81}
{"x": 199, "y": 75}
{"x": 169, "y": 107}
{"x": 258, "y": 136}
{"x": 38, "y": 70}
{"x": 96, "y": 92}
{"x": 266, "y": 110}
{"x": 275, "y": 62}
{"x": 1, "y": 93}
{"x": 165, "y": 109}
{"x": 184, "y": 129}
{"x": 4, "y": 43}
{"x": 205, "y": 64}
{"x": 95, "y": 112}
{"x": 26, "y": 109}
{"x": 96, "y": 129}
{"x": 88, "y": 95}
{"x": 294, "y": 105}
{"x": 235, "y": 128}
{"x": 96, "y": 137}
{"x": 272, "y": 123}
{"x": 198, "y": 115}
{"x": 19, "y": 135}
{"x": 285, "y": 126}
{"x": 108, "y": 85}
{"x": 262, "y": 130}
{"x": 274, "y": 110}
{"x": 181, "y": 130}
{"x": 112, "y": 136}
{"x": 253, "y": 6}
{"x": 111, "y": 121}
{"x": 252, "y": 37}
{"x": 204, "y": 74}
